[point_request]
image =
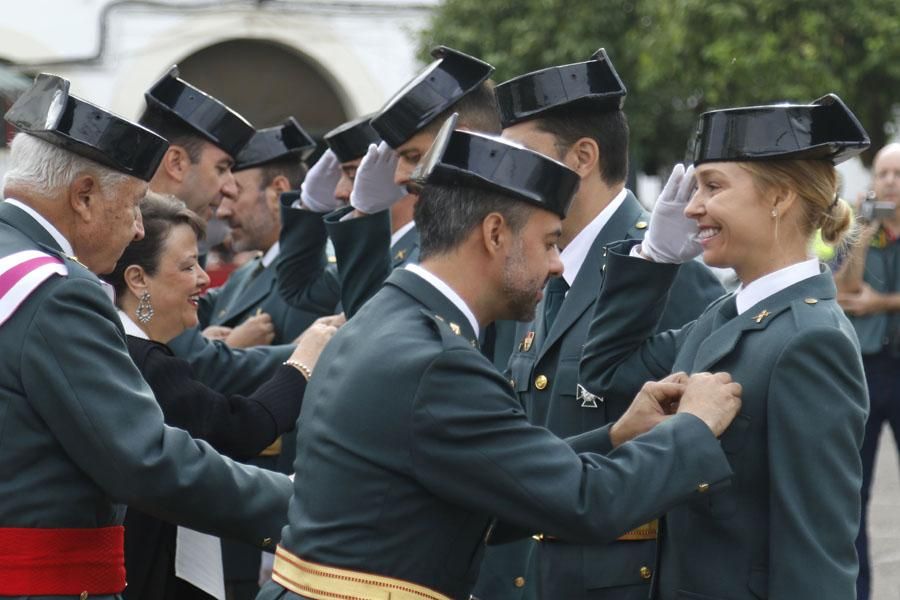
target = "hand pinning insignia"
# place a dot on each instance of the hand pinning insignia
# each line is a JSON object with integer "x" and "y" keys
{"x": 588, "y": 400}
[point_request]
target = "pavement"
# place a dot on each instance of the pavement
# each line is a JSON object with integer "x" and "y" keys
{"x": 884, "y": 521}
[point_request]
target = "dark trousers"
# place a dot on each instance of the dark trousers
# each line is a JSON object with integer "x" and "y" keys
{"x": 883, "y": 377}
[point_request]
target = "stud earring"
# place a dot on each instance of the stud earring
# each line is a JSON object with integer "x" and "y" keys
{"x": 144, "y": 310}
{"x": 774, "y": 213}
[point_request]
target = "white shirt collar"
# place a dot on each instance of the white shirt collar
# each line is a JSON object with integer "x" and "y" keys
{"x": 131, "y": 328}
{"x": 270, "y": 255}
{"x": 395, "y": 237}
{"x": 576, "y": 251}
{"x": 447, "y": 291}
{"x": 771, "y": 284}
{"x": 63, "y": 243}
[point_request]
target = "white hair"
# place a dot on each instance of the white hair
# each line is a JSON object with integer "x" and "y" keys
{"x": 47, "y": 169}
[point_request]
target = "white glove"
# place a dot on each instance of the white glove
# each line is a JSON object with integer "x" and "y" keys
{"x": 374, "y": 189}
{"x": 672, "y": 237}
{"x": 317, "y": 190}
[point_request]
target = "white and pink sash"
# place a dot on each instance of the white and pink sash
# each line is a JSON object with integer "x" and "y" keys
{"x": 22, "y": 273}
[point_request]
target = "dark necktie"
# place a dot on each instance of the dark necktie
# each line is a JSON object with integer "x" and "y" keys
{"x": 555, "y": 294}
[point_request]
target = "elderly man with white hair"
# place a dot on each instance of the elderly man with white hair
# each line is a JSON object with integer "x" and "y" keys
{"x": 81, "y": 435}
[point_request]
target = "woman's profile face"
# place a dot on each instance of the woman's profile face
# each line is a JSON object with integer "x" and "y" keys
{"x": 736, "y": 225}
{"x": 175, "y": 288}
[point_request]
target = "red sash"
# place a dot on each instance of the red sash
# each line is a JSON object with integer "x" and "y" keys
{"x": 62, "y": 562}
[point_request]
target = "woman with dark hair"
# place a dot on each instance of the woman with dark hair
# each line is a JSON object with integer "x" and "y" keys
{"x": 158, "y": 283}
{"x": 765, "y": 183}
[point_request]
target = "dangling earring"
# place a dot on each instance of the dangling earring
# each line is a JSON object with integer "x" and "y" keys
{"x": 774, "y": 213}
{"x": 144, "y": 310}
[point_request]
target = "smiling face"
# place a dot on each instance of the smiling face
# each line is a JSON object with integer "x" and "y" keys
{"x": 176, "y": 285}
{"x": 735, "y": 220}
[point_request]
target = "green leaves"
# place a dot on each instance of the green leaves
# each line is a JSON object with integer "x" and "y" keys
{"x": 681, "y": 57}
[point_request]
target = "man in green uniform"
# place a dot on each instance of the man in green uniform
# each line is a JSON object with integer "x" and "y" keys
{"x": 205, "y": 136}
{"x": 271, "y": 164}
{"x": 411, "y": 462}
{"x": 574, "y": 114}
{"x": 83, "y": 435}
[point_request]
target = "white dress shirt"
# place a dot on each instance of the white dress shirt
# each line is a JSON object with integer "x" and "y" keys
{"x": 395, "y": 237}
{"x": 769, "y": 285}
{"x": 576, "y": 251}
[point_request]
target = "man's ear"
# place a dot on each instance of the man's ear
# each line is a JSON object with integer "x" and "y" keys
{"x": 278, "y": 186}
{"x": 84, "y": 196}
{"x": 136, "y": 279}
{"x": 584, "y": 157}
{"x": 495, "y": 234}
{"x": 176, "y": 162}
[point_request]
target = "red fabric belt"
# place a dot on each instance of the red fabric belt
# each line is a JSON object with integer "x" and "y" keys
{"x": 50, "y": 562}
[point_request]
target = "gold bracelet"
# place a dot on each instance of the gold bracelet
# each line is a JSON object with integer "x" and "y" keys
{"x": 306, "y": 371}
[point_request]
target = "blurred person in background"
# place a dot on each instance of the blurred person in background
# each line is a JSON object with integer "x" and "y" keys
{"x": 868, "y": 283}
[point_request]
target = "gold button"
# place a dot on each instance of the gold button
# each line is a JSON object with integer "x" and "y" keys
{"x": 641, "y": 225}
{"x": 519, "y": 582}
{"x": 512, "y": 383}
{"x": 811, "y": 301}
{"x": 646, "y": 573}
{"x": 703, "y": 488}
{"x": 267, "y": 541}
{"x": 83, "y": 595}
{"x": 540, "y": 382}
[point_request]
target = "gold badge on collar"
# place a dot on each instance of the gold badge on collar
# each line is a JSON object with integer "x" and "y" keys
{"x": 762, "y": 315}
{"x": 455, "y": 328}
{"x": 525, "y": 344}
{"x": 75, "y": 259}
{"x": 401, "y": 254}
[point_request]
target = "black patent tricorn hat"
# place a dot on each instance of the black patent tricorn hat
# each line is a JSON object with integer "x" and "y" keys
{"x": 478, "y": 160}
{"x": 351, "y": 140}
{"x": 275, "y": 143}
{"x": 594, "y": 83}
{"x": 824, "y": 130}
{"x": 49, "y": 112}
{"x": 438, "y": 87}
{"x": 206, "y": 115}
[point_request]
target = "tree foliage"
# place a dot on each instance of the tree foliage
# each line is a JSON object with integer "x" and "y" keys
{"x": 681, "y": 57}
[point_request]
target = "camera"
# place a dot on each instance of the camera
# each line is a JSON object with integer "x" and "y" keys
{"x": 873, "y": 209}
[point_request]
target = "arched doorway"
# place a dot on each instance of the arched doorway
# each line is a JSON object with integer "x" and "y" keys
{"x": 266, "y": 82}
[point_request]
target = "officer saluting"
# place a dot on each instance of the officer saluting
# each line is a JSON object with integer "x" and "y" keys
{"x": 83, "y": 433}
{"x": 403, "y": 467}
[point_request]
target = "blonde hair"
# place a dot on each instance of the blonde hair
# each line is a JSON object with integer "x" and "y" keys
{"x": 815, "y": 183}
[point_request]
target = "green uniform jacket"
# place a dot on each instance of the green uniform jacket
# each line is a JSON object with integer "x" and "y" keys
{"x": 306, "y": 281}
{"x": 83, "y": 435}
{"x": 411, "y": 458}
{"x": 252, "y": 288}
{"x": 364, "y": 253}
{"x": 785, "y": 528}
{"x": 567, "y": 570}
